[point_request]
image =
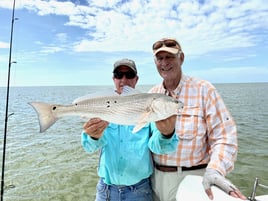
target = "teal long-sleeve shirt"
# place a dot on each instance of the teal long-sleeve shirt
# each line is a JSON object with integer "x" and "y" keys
{"x": 125, "y": 158}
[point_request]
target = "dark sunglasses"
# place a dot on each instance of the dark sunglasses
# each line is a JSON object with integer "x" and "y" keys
{"x": 129, "y": 74}
{"x": 167, "y": 43}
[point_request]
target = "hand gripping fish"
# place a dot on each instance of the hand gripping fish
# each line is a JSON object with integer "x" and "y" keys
{"x": 129, "y": 108}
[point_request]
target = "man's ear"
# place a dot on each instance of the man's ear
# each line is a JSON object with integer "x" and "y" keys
{"x": 182, "y": 57}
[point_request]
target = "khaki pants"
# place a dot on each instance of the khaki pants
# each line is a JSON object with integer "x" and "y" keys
{"x": 165, "y": 184}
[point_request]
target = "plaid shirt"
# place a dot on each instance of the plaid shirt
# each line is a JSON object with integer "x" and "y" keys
{"x": 206, "y": 130}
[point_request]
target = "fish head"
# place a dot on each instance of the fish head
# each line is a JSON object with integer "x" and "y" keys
{"x": 165, "y": 106}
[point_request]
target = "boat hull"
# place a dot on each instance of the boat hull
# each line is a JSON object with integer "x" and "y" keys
{"x": 191, "y": 188}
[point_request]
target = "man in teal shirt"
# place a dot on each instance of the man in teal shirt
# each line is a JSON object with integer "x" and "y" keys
{"x": 125, "y": 163}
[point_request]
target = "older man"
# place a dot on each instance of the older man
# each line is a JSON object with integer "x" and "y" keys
{"x": 206, "y": 129}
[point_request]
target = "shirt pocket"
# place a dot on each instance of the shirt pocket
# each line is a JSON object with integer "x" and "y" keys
{"x": 191, "y": 123}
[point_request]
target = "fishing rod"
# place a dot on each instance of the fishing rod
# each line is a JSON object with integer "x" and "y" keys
{"x": 7, "y": 101}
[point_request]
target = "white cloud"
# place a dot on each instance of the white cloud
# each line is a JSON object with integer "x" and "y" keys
{"x": 235, "y": 74}
{"x": 135, "y": 25}
{"x": 4, "y": 45}
{"x": 62, "y": 37}
{"x": 51, "y": 49}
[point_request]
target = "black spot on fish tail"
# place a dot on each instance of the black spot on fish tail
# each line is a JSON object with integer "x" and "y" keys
{"x": 54, "y": 108}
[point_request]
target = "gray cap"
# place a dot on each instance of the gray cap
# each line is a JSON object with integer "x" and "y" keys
{"x": 125, "y": 62}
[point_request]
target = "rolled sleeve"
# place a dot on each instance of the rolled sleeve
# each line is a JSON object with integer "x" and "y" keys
{"x": 90, "y": 145}
{"x": 159, "y": 144}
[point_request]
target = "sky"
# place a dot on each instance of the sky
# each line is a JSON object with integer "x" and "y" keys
{"x": 71, "y": 43}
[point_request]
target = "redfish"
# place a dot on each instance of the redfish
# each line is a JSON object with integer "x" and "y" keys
{"x": 129, "y": 108}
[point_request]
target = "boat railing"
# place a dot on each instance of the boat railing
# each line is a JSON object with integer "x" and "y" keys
{"x": 256, "y": 184}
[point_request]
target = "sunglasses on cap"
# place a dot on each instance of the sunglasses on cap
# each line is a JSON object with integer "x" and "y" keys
{"x": 167, "y": 43}
{"x": 129, "y": 74}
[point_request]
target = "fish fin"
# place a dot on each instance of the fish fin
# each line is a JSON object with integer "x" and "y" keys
{"x": 45, "y": 115}
{"x": 138, "y": 127}
{"x": 99, "y": 94}
{"x": 127, "y": 90}
{"x": 142, "y": 121}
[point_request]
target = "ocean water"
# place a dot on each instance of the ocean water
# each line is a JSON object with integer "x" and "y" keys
{"x": 53, "y": 166}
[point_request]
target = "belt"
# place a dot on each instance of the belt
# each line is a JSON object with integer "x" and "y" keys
{"x": 142, "y": 182}
{"x": 164, "y": 168}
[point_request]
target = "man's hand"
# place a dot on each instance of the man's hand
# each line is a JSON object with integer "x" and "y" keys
{"x": 166, "y": 126}
{"x": 95, "y": 127}
{"x": 213, "y": 177}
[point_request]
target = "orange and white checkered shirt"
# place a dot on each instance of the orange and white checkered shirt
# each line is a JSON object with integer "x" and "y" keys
{"x": 206, "y": 130}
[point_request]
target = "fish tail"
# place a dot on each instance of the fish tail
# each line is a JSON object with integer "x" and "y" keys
{"x": 45, "y": 115}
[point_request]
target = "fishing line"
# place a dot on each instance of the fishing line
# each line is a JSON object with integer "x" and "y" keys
{"x": 7, "y": 101}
